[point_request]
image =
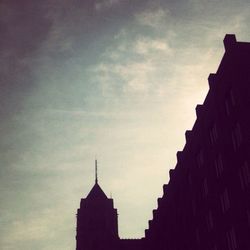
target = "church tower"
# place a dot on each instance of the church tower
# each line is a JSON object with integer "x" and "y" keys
{"x": 97, "y": 223}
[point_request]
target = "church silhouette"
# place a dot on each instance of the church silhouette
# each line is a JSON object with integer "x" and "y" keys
{"x": 206, "y": 204}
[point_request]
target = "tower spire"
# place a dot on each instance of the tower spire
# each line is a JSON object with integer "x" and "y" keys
{"x": 96, "y": 178}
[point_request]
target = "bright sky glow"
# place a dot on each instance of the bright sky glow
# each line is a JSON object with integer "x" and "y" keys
{"x": 112, "y": 79}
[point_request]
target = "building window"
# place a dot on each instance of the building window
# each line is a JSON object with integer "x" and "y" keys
{"x": 229, "y": 102}
{"x": 244, "y": 174}
{"x": 210, "y": 222}
{"x": 213, "y": 134}
{"x": 236, "y": 136}
{"x": 227, "y": 106}
{"x": 224, "y": 199}
{"x": 214, "y": 248}
{"x": 193, "y": 207}
{"x": 205, "y": 187}
{"x": 197, "y": 234}
{"x": 218, "y": 165}
{"x": 231, "y": 239}
{"x": 242, "y": 184}
{"x": 248, "y": 217}
{"x": 189, "y": 179}
{"x": 200, "y": 158}
{"x": 232, "y": 98}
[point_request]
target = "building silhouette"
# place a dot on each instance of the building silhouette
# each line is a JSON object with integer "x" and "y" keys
{"x": 206, "y": 204}
{"x": 97, "y": 225}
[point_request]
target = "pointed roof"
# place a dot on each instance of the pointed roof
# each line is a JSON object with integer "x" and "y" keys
{"x": 96, "y": 193}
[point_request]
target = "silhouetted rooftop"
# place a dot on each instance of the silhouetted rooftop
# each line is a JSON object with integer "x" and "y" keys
{"x": 96, "y": 193}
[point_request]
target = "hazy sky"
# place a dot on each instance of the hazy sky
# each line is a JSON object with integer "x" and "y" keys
{"x": 116, "y": 79}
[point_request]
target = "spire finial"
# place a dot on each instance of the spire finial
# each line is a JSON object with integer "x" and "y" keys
{"x": 96, "y": 179}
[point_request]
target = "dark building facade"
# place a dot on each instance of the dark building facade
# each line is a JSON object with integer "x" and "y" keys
{"x": 206, "y": 204}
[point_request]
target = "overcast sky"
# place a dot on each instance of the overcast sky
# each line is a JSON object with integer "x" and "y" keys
{"x": 113, "y": 79}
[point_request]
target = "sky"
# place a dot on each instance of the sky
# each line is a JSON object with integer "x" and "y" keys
{"x": 116, "y": 80}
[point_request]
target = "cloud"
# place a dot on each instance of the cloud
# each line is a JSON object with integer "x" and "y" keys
{"x": 152, "y": 17}
{"x": 106, "y": 4}
{"x": 135, "y": 75}
{"x": 146, "y": 45}
{"x": 131, "y": 66}
{"x": 132, "y": 76}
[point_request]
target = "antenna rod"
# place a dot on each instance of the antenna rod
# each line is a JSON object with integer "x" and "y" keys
{"x": 96, "y": 179}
